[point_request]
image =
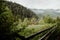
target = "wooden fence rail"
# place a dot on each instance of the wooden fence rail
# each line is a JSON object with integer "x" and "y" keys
{"x": 51, "y": 30}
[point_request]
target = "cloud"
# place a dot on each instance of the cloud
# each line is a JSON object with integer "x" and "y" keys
{"x": 40, "y": 4}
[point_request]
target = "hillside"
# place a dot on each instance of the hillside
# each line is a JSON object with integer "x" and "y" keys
{"x": 43, "y": 12}
{"x": 20, "y": 10}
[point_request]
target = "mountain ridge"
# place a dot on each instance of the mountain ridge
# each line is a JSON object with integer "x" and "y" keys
{"x": 44, "y": 12}
{"x": 20, "y": 10}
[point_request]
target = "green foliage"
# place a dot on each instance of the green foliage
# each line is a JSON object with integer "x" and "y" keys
{"x": 58, "y": 21}
{"x": 48, "y": 19}
{"x": 18, "y": 9}
{"x": 2, "y": 6}
{"x": 41, "y": 21}
{"x": 18, "y": 39}
{"x": 25, "y": 22}
{"x": 6, "y": 18}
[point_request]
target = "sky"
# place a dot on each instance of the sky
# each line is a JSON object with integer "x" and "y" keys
{"x": 39, "y": 4}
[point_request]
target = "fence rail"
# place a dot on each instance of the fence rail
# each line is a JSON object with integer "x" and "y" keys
{"x": 45, "y": 37}
{"x": 48, "y": 34}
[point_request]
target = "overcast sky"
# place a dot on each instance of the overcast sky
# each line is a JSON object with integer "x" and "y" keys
{"x": 40, "y": 4}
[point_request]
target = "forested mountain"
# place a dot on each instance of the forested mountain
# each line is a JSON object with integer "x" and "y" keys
{"x": 20, "y": 11}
